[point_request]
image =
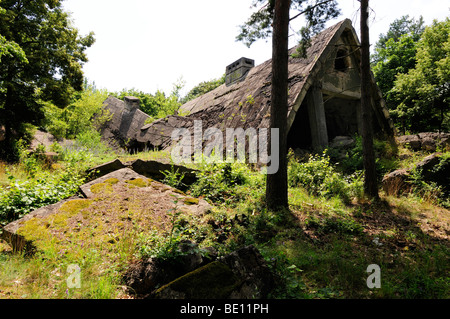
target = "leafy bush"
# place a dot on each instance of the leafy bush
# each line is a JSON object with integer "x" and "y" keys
{"x": 35, "y": 182}
{"x": 173, "y": 178}
{"x": 23, "y": 197}
{"x": 168, "y": 246}
{"x": 352, "y": 160}
{"x": 91, "y": 140}
{"x": 319, "y": 178}
{"x": 84, "y": 113}
{"x": 218, "y": 182}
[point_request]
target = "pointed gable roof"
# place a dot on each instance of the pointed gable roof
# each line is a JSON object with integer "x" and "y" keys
{"x": 257, "y": 85}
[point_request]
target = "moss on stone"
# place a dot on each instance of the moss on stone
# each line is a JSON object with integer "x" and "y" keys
{"x": 212, "y": 281}
{"x": 34, "y": 230}
{"x": 111, "y": 181}
{"x": 102, "y": 188}
{"x": 179, "y": 192}
{"x": 191, "y": 201}
{"x": 74, "y": 206}
{"x": 139, "y": 182}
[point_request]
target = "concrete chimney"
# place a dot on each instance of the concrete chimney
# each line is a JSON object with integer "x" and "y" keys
{"x": 238, "y": 70}
{"x": 131, "y": 102}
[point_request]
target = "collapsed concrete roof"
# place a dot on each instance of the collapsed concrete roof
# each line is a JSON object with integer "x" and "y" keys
{"x": 324, "y": 95}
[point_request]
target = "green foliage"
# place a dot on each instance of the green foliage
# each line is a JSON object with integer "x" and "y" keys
{"x": 161, "y": 247}
{"x": 42, "y": 57}
{"x": 203, "y": 88}
{"x": 400, "y": 28}
{"x": 79, "y": 118}
{"x": 219, "y": 182}
{"x": 319, "y": 177}
{"x": 352, "y": 160}
{"x": 173, "y": 178}
{"x": 422, "y": 94}
{"x": 36, "y": 182}
{"x": 168, "y": 246}
{"x": 259, "y": 25}
{"x": 395, "y": 53}
{"x": 80, "y": 121}
{"x": 11, "y": 49}
{"x": 397, "y": 57}
{"x": 24, "y": 196}
{"x": 156, "y": 105}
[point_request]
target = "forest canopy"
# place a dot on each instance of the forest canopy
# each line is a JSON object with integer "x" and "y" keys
{"x": 412, "y": 70}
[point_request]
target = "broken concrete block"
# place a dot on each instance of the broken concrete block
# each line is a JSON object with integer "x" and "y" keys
{"x": 106, "y": 168}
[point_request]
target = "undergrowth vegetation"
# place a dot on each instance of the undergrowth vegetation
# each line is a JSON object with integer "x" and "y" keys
{"x": 319, "y": 248}
{"x": 36, "y": 180}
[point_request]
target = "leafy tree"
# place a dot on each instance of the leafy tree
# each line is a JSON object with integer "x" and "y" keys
{"x": 423, "y": 93}
{"x": 11, "y": 48}
{"x": 405, "y": 26}
{"x": 203, "y": 88}
{"x": 395, "y": 53}
{"x": 156, "y": 105}
{"x": 149, "y": 103}
{"x": 80, "y": 116}
{"x": 272, "y": 19}
{"x": 50, "y": 68}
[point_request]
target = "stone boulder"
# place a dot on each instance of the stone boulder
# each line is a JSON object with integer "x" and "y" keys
{"x": 427, "y": 141}
{"x": 430, "y": 141}
{"x": 125, "y": 122}
{"x": 242, "y": 274}
{"x": 342, "y": 142}
{"x": 144, "y": 276}
{"x": 155, "y": 169}
{"x": 433, "y": 168}
{"x": 106, "y": 168}
{"x": 412, "y": 141}
{"x": 436, "y": 169}
{"x": 47, "y": 139}
{"x": 396, "y": 183}
{"x": 166, "y": 198}
{"x": 427, "y": 165}
{"x": 248, "y": 264}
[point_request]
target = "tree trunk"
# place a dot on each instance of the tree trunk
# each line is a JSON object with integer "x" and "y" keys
{"x": 370, "y": 181}
{"x": 7, "y": 151}
{"x": 276, "y": 184}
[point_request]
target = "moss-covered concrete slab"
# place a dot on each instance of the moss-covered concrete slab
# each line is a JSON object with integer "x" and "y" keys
{"x": 115, "y": 206}
{"x": 18, "y": 242}
{"x": 123, "y": 174}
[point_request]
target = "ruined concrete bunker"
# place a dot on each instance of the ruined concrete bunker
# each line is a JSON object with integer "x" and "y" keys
{"x": 323, "y": 101}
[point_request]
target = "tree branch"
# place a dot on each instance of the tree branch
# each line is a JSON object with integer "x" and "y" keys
{"x": 309, "y": 9}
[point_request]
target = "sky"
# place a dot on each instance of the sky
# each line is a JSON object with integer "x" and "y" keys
{"x": 149, "y": 45}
